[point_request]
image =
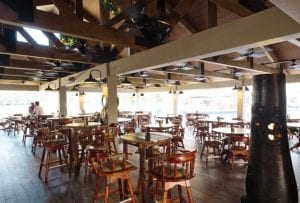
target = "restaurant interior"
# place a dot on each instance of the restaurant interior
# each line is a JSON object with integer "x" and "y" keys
{"x": 150, "y": 101}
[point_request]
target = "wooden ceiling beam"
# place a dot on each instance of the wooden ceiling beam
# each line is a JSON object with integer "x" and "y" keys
{"x": 233, "y": 6}
{"x": 226, "y": 61}
{"x": 197, "y": 72}
{"x": 41, "y": 2}
{"x": 24, "y": 49}
{"x": 226, "y": 38}
{"x": 290, "y": 7}
{"x": 29, "y": 66}
{"x": 54, "y": 23}
{"x": 55, "y": 41}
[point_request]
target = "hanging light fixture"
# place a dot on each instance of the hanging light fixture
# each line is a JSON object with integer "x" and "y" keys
{"x": 142, "y": 94}
{"x": 92, "y": 80}
{"x": 133, "y": 94}
{"x": 49, "y": 88}
{"x": 237, "y": 87}
{"x": 126, "y": 82}
{"x": 246, "y": 88}
{"x": 180, "y": 92}
{"x": 74, "y": 88}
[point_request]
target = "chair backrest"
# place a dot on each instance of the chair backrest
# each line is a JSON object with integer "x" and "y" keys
{"x": 104, "y": 163}
{"x": 54, "y": 138}
{"x": 129, "y": 127}
{"x": 182, "y": 165}
{"x": 84, "y": 137}
{"x": 97, "y": 138}
{"x": 238, "y": 143}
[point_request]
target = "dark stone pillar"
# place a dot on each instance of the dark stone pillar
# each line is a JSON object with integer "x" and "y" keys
{"x": 270, "y": 175}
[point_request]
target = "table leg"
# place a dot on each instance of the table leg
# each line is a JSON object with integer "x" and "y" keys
{"x": 142, "y": 187}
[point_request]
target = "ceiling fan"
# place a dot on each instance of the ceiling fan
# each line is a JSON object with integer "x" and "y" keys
{"x": 57, "y": 65}
{"x": 181, "y": 66}
{"x": 201, "y": 77}
{"x": 250, "y": 53}
{"x": 152, "y": 30}
{"x": 293, "y": 63}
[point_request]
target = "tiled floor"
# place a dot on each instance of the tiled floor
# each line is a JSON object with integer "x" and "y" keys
{"x": 19, "y": 181}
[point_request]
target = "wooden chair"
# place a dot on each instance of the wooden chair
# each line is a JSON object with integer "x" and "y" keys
{"x": 110, "y": 134}
{"x": 238, "y": 148}
{"x": 95, "y": 147}
{"x": 38, "y": 137}
{"x": 54, "y": 143}
{"x": 201, "y": 130}
{"x": 28, "y": 130}
{"x": 177, "y": 139}
{"x": 176, "y": 169}
{"x": 129, "y": 127}
{"x": 113, "y": 167}
{"x": 211, "y": 147}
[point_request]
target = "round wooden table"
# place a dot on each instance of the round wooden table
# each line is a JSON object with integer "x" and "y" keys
{"x": 73, "y": 147}
{"x": 158, "y": 128}
{"x": 54, "y": 120}
{"x": 139, "y": 140}
{"x": 232, "y": 131}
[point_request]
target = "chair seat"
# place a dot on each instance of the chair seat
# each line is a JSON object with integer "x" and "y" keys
{"x": 212, "y": 142}
{"x": 52, "y": 143}
{"x": 169, "y": 173}
{"x": 119, "y": 166}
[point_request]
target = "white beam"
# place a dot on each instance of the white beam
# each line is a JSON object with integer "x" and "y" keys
{"x": 231, "y": 37}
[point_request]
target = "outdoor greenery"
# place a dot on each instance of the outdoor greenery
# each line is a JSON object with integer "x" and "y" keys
{"x": 110, "y": 6}
{"x": 68, "y": 41}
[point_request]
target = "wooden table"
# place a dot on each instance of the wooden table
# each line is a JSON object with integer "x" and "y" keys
{"x": 16, "y": 120}
{"x": 124, "y": 120}
{"x": 232, "y": 131}
{"x": 229, "y": 132}
{"x": 156, "y": 127}
{"x": 138, "y": 140}
{"x": 166, "y": 117}
{"x": 54, "y": 120}
{"x": 73, "y": 148}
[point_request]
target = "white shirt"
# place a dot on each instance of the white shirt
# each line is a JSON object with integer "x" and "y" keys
{"x": 38, "y": 110}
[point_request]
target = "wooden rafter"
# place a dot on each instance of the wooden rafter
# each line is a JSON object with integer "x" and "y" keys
{"x": 233, "y": 6}
{"x": 290, "y": 7}
{"x": 216, "y": 41}
{"x": 54, "y": 23}
{"x": 197, "y": 72}
{"x": 47, "y": 53}
{"x": 29, "y": 66}
{"x": 226, "y": 61}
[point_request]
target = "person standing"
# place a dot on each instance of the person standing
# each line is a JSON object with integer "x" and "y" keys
{"x": 31, "y": 108}
{"x": 38, "y": 110}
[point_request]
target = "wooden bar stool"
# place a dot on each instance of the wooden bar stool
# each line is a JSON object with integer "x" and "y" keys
{"x": 177, "y": 169}
{"x": 54, "y": 143}
{"x": 114, "y": 167}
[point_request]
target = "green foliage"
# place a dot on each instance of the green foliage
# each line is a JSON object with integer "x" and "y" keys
{"x": 110, "y": 6}
{"x": 68, "y": 41}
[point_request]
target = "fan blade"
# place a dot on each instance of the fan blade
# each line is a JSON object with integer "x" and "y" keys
{"x": 240, "y": 58}
{"x": 257, "y": 55}
{"x": 187, "y": 67}
{"x": 295, "y": 66}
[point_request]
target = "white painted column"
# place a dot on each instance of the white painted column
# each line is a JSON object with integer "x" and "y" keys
{"x": 174, "y": 98}
{"x": 110, "y": 91}
{"x": 240, "y": 103}
{"x": 81, "y": 103}
{"x": 63, "y": 101}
